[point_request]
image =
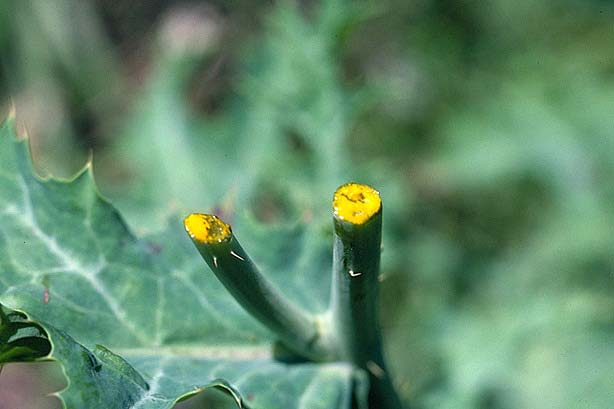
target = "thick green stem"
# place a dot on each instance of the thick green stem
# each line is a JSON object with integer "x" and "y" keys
{"x": 354, "y": 297}
{"x": 299, "y": 331}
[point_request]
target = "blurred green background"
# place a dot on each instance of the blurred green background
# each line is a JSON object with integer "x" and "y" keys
{"x": 488, "y": 127}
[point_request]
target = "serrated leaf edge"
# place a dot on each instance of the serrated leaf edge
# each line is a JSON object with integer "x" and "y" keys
{"x": 87, "y": 171}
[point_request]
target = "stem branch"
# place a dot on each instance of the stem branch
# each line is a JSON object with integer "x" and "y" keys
{"x": 354, "y": 297}
{"x": 296, "y": 329}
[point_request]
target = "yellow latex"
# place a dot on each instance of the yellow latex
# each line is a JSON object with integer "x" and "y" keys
{"x": 356, "y": 203}
{"x": 206, "y": 228}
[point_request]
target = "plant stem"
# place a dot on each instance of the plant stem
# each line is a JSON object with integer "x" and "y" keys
{"x": 354, "y": 297}
{"x": 299, "y": 331}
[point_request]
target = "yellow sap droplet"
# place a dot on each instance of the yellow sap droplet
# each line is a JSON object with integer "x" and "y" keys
{"x": 356, "y": 203}
{"x": 206, "y": 228}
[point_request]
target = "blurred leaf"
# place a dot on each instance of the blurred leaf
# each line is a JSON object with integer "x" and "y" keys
{"x": 283, "y": 131}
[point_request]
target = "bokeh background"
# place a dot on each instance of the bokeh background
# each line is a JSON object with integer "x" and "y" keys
{"x": 488, "y": 127}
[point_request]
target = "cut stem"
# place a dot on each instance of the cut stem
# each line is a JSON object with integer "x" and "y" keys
{"x": 354, "y": 298}
{"x": 297, "y": 330}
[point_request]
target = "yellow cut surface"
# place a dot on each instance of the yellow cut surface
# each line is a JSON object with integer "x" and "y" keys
{"x": 207, "y": 228}
{"x": 356, "y": 203}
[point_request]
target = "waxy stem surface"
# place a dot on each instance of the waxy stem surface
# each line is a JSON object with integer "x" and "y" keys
{"x": 298, "y": 330}
{"x": 357, "y": 217}
{"x": 351, "y": 331}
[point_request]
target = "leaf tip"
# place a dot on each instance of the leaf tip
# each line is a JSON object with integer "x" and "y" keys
{"x": 8, "y": 119}
{"x": 356, "y": 203}
{"x": 12, "y": 112}
{"x": 206, "y": 228}
{"x": 89, "y": 163}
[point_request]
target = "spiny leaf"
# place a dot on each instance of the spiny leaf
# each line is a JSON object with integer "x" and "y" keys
{"x": 168, "y": 327}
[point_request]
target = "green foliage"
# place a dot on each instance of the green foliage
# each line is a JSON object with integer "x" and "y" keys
{"x": 70, "y": 262}
{"x": 282, "y": 119}
{"x": 487, "y": 127}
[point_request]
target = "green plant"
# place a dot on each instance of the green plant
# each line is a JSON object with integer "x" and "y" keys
{"x": 73, "y": 277}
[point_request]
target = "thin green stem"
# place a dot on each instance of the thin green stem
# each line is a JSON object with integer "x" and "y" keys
{"x": 354, "y": 296}
{"x": 299, "y": 331}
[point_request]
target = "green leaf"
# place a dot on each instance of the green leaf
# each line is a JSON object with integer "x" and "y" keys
{"x": 169, "y": 329}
